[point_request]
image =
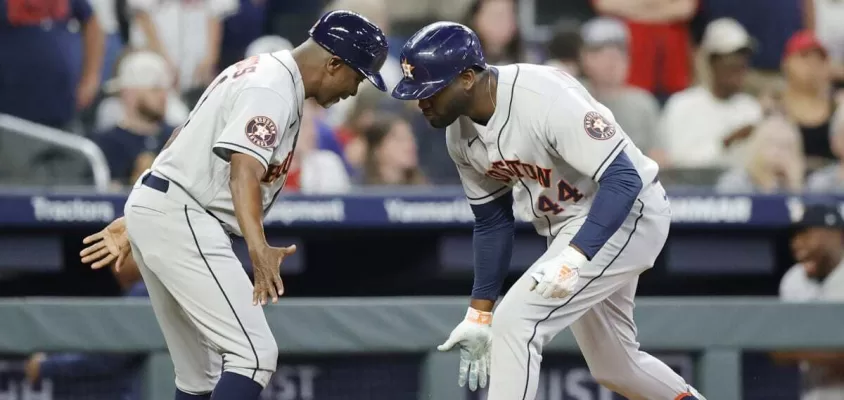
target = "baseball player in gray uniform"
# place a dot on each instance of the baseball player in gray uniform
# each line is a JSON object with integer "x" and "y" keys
{"x": 219, "y": 175}
{"x": 818, "y": 247}
{"x": 532, "y": 134}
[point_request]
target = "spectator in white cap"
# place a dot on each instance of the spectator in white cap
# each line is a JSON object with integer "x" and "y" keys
{"x": 702, "y": 126}
{"x": 267, "y": 44}
{"x": 141, "y": 87}
{"x": 110, "y": 110}
{"x": 605, "y": 66}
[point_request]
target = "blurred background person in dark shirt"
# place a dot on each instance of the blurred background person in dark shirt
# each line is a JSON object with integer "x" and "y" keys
{"x": 808, "y": 97}
{"x": 830, "y": 179}
{"x": 51, "y": 54}
{"x": 774, "y": 161}
{"x": 605, "y": 66}
{"x": 391, "y": 154}
{"x": 131, "y": 146}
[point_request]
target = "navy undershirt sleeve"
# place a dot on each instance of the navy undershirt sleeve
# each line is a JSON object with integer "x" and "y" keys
{"x": 492, "y": 244}
{"x": 618, "y": 188}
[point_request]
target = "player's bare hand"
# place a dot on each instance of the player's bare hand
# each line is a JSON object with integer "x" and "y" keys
{"x": 266, "y": 263}
{"x": 474, "y": 337}
{"x": 557, "y": 278}
{"x": 110, "y": 245}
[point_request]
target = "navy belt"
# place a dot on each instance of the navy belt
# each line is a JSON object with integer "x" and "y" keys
{"x": 159, "y": 184}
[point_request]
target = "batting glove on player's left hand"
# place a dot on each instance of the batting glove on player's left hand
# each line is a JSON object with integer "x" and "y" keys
{"x": 557, "y": 277}
{"x": 474, "y": 336}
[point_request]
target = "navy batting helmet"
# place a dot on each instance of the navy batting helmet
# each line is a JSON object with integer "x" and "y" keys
{"x": 355, "y": 40}
{"x": 434, "y": 56}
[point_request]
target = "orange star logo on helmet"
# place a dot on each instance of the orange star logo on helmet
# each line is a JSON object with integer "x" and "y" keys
{"x": 407, "y": 69}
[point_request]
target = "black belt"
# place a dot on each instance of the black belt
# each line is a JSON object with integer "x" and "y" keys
{"x": 162, "y": 185}
{"x": 159, "y": 184}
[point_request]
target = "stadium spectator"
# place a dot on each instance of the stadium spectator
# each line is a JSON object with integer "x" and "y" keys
{"x": 701, "y": 126}
{"x": 563, "y": 50}
{"x": 94, "y": 376}
{"x": 187, "y": 34}
{"x": 391, "y": 154}
{"x": 241, "y": 29}
{"x": 315, "y": 170}
{"x": 774, "y": 161}
{"x": 660, "y": 42}
{"x": 350, "y": 133}
{"x": 109, "y": 111}
{"x": 818, "y": 247}
{"x": 496, "y": 24}
{"x": 266, "y": 44}
{"x": 142, "y": 84}
{"x": 808, "y": 97}
{"x": 770, "y": 22}
{"x": 375, "y": 11}
{"x": 40, "y": 59}
{"x": 830, "y": 179}
{"x": 605, "y": 67}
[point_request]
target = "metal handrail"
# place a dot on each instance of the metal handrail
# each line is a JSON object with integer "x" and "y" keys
{"x": 89, "y": 149}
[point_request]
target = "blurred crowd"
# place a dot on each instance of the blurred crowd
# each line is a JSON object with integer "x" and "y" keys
{"x": 742, "y": 96}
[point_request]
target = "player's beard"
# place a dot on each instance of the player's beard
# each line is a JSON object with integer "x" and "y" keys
{"x": 454, "y": 108}
{"x": 151, "y": 114}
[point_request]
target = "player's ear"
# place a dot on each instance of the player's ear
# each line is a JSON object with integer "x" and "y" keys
{"x": 334, "y": 64}
{"x": 467, "y": 79}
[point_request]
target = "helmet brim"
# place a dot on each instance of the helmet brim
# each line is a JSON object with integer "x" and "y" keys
{"x": 412, "y": 90}
{"x": 376, "y": 79}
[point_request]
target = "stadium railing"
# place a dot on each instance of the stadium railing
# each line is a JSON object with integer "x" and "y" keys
{"x": 718, "y": 328}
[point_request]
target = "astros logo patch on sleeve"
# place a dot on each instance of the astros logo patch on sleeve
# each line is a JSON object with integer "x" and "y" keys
{"x": 597, "y": 126}
{"x": 262, "y": 131}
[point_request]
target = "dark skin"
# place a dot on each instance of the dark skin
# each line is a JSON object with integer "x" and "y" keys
{"x": 326, "y": 79}
{"x": 472, "y": 94}
{"x": 728, "y": 75}
{"x": 819, "y": 251}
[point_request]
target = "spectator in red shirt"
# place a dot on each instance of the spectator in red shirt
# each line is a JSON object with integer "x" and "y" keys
{"x": 660, "y": 41}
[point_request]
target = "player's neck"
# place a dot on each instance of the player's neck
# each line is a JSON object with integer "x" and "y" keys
{"x": 308, "y": 59}
{"x": 484, "y": 98}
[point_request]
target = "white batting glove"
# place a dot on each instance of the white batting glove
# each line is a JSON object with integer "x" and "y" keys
{"x": 474, "y": 336}
{"x": 557, "y": 277}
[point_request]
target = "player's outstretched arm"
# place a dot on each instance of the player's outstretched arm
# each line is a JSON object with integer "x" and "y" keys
{"x": 492, "y": 243}
{"x": 245, "y": 184}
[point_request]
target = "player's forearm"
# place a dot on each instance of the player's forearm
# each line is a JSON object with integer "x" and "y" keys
{"x": 94, "y": 48}
{"x": 214, "y": 38}
{"x": 492, "y": 244}
{"x": 246, "y": 194}
{"x": 144, "y": 20}
{"x": 618, "y": 189}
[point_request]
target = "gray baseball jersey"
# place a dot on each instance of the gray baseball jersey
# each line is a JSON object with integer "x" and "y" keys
{"x": 551, "y": 142}
{"x": 179, "y": 216}
{"x": 551, "y": 145}
{"x": 254, "y": 107}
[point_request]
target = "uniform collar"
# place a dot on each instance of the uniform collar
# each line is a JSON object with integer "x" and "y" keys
{"x": 286, "y": 59}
